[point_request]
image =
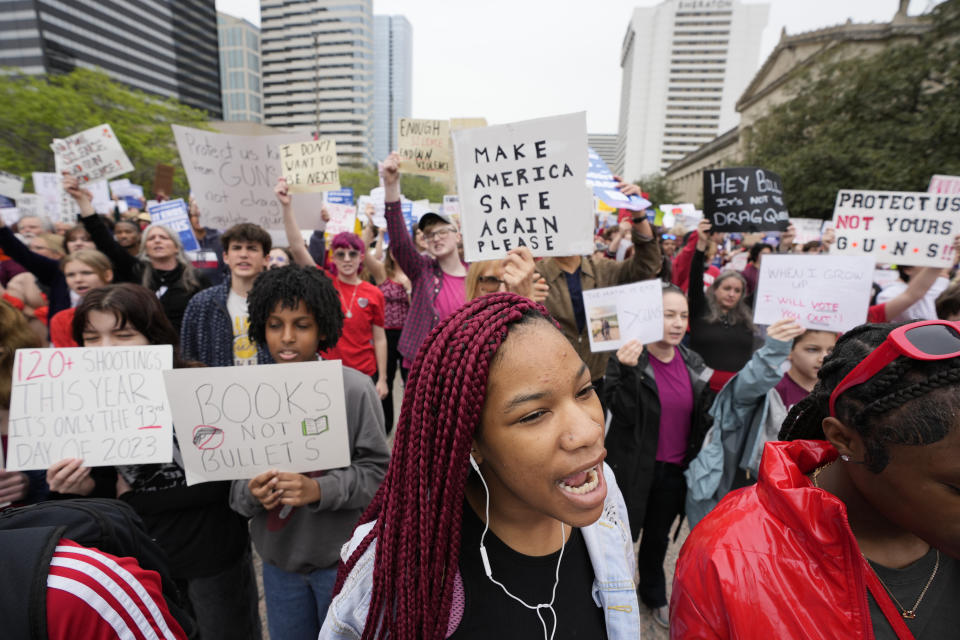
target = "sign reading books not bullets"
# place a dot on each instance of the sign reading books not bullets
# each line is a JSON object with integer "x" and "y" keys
{"x": 616, "y": 315}
{"x": 524, "y": 185}
{"x": 825, "y": 292}
{"x": 234, "y": 423}
{"x": 104, "y": 405}
{"x": 898, "y": 227}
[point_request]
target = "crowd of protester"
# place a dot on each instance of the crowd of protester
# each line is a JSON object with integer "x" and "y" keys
{"x": 817, "y": 471}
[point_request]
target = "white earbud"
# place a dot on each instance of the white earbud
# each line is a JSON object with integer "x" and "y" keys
{"x": 476, "y": 467}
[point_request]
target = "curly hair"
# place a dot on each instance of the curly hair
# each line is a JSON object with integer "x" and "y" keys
{"x": 418, "y": 508}
{"x": 912, "y": 402}
{"x": 288, "y": 286}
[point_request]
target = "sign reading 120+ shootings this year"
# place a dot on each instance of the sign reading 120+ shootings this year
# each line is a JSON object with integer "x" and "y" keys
{"x": 899, "y": 227}
{"x": 104, "y": 405}
{"x": 524, "y": 185}
{"x": 234, "y": 423}
{"x": 744, "y": 199}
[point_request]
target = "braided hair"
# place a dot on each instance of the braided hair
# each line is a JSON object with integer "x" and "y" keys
{"x": 883, "y": 410}
{"x": 287, "y": 286}
{"x": 418, "y": 508}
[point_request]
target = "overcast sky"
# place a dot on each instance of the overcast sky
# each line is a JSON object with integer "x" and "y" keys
{"x": 509, "y": 60}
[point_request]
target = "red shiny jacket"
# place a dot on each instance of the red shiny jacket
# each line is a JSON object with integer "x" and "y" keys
{"x": 776, "y": 560}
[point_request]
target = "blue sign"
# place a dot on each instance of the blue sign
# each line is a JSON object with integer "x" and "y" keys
{"x": 600, "y": 179}
{"x": 340, "y": 196}
{"x": 175, "y": 215}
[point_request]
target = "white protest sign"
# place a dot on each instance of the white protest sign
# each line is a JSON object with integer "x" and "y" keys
{"x": 30, "y": 204}
{"x": 101, "y": 202}
{"x": 826, "y": 292}
{"x": 120, "y": 188}
{"x": 236, "y": 422}
{"x": 91, "y": 155}
{"x": 343, "y": 217}
{"x": 524, "y": 185}
{"x": 11, "y": 185}
{"x": 948, "y": 185}
{"x": 807, "y": 229}
{"x": 451, "y": 205}
{"x": 898, "y": 227}
{"x": 102, "y": 404}
{"x": 10, "y": 215}
{"x": 424, "y": 146}
{"x": 310, "y": 167}
{"x": 232, "y": 177}
{"x": 57, "y": 204}
{"x": 616, "y": 315}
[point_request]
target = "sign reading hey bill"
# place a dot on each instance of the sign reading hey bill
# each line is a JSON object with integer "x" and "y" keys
{"x": 524, "y": 185}
{"x": 102, "y": 404}
{"x": 310, "y": 167}
{"x": 616, "y": 315}
{"x": 830, "y": 293}
{"x": 424, "y": 146}
{"x": 94, "y": 154}
{"x": 175, "y": 215}
{"x": 900, "y": 227}
{"x": 744, "y": 199}
{"x": 233, "y": 177}
{"x": 236, "y": 422}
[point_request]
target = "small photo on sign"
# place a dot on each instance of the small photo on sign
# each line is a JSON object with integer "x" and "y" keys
{"x": 604, "y": 324}
{"x": 626, "y": 312}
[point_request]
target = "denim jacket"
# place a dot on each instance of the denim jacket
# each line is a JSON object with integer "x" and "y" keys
{"x": 608, "y": 544}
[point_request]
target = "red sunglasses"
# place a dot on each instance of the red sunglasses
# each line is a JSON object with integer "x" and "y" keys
{"x": 928, "y": 340}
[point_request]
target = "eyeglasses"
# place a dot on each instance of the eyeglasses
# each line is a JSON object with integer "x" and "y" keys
{"x": 346, "y": 255}
{"x": 668, "y": 236}
{"x": 489, "y": 281}
{"x": 929, "y": 340}
{"x": 439, "y": 233}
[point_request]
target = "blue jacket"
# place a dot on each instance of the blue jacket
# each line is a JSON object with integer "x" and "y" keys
{"x": 206, "y": 333}
{"x": 608, "y": 544}
{"x": 736, "y": 439}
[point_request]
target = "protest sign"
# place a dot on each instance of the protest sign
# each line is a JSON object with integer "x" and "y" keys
{"x": 524, "y": 185}
{"x": 100, "y": 192}
{"x": 119, "y": 188}
{"x": 829, "y": 293}
{"x": 467, "y": 123}
{"x": 310, "y": 167}
{"x": 451, "y": 205}
{"x": 424, "y": 146}
{"x": 343, "y": 195}
{"x": 11, "y": 185}
{"x": 30, "y": 204}
{"x": 684, "y": 214}
{"x": 744, "y": 199}
{"x": 899, "y": 227}
{"x": 233, "y": 177}
{"x": 66, "y": 208}
{"x": 947, "y": 185}
{"x": 162, "y": 180}
{"x": 616, "y": 315}
{"x": 10, "y": 215}
{"x": 236, "y": 422}
{"x": 49, "y": 187}
{"x": 102, "y": 404}
{"x": 343, "y": 217}
{"x": 94, "y": 154}
{"x": 175, "y": 215}
{"x": 600, "y": 179}
{"x": 807, "y": 229}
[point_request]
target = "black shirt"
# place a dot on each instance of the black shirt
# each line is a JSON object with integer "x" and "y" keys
{"x": 490, "y": 613}
{"x": 938, "y": 615}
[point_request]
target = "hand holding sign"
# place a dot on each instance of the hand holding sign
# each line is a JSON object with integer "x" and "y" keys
{"x": 629, "y": 353}
{"x": 785, "y": 330}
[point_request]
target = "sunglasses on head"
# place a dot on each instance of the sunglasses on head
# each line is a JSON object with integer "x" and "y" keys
{"x": 929, "y": 340}
{"x": 668, "y": 236}
{"x": 343, "y": 254}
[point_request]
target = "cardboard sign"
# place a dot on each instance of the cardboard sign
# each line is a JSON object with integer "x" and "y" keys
{"x": 524, "y": 185}
{"x": 830, "y": 293}
{"x": 11, "y": 185}
{"x": 616, "y": 315}
{"x": 451, "y": 205}
{"x": 233, "y": 177}
{"x": 424, "y": 146}
{"x": 163, "y": 180}
{"x": 744, "y": 199}
{"x": 175, "y": 215}
{"x": 600, "y": 179}
{"x": 898, "y": 227}
{"x": 343, "y": 217}
{"x": 94, "y": 154}
{"x": 310, "y": 167}
{"x": 102, "y": 404}
{"x": 236, "y": 422}
{"x": 947, "y": 185}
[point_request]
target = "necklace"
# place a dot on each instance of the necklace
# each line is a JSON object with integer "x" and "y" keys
{"x": 349, "y": 312}
{"x": 910, "y": 614}
{"x": 816, "y": 473}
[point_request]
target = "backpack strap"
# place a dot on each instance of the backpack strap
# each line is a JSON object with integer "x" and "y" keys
{"x": 25, "y": 556}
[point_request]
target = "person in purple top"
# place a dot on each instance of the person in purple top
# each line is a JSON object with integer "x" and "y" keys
{"x": 658, "y": 398}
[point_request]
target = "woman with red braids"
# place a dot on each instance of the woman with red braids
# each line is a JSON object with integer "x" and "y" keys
{"x": 498, "y": 517}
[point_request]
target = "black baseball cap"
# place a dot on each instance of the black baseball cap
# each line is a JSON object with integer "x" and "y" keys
{"x": 432, "y": 217}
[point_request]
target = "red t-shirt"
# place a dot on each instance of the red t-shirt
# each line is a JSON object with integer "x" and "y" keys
{"x": 877, "y": 313}
{"x": 362, "y": 306}
{"x": 61, "y": 329}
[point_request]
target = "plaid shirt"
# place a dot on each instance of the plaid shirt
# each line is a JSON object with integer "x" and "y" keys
{"x": 425, "y": 276}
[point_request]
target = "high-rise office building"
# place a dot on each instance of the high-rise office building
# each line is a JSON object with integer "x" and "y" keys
{"x": 685, "y": 64}
{"x": 240, "y": 69}
{"x": 317, "y": 70}
{"x": 168, "y": 48}
{"x": 392, "y": 80}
